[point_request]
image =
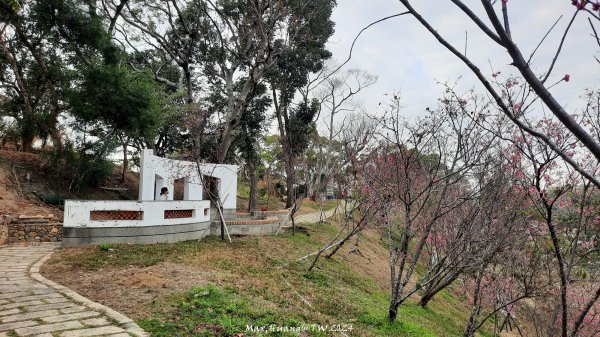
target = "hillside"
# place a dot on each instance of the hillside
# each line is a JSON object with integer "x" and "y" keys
{"x": 214, "y": 288}
{"x": 28, "y": 185}
{"x": 16, "y": 191}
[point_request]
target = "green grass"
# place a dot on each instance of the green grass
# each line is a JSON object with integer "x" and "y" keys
{"x": 210, "y": 311}
{"x": 134, "y": 255}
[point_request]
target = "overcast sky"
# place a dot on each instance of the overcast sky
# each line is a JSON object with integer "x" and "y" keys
{"x": 407, "y": 58}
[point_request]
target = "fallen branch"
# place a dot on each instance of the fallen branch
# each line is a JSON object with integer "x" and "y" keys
{"x": 320, "y": 251}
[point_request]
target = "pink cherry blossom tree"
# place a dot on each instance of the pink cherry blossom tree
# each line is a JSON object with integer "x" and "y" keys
{"x": 421, "y": 173}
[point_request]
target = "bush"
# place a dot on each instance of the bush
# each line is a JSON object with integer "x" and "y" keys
{"x": 9, "y": 133}
{"x": 79, "y": 169}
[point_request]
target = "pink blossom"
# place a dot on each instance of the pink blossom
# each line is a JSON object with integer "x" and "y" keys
{"x": 517, "y": 107}
{"x": 567, "y": 78}
{"x": 519, "y": 175}
{"x": 578, "y": 4}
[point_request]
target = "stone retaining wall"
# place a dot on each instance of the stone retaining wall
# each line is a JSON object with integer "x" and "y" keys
{"x": 3, "y": 233}
{"x": 34, "y": 232}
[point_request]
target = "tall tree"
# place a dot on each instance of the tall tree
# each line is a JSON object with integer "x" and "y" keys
{"x": 247, "y": 142}
{"x": 301, "y": 53}
{"x": 217, "y": 43}
{"x": 34, "y": 73}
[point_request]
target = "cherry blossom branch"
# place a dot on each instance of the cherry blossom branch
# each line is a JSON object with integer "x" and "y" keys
{"x": 538, "y": 87}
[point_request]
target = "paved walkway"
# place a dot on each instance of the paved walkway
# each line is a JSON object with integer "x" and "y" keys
{"x": 31, "y": 305}
{"x": 316, "y": 216}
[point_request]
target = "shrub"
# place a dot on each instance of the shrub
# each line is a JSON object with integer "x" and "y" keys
{"x": 79, "y": 169}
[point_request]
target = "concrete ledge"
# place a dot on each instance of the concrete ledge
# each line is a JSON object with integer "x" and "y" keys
{"x": 125, "y": 322}
{"x": 228, "y": 213}
{"x": 266, "y": 221}
{"x": 284, "y": 211}
{"x": 74, "y": 237}
{"x": 255, "y": 229}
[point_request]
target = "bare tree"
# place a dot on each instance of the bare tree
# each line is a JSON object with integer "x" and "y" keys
{"x": 422, "y": 168}
{"x": 471, "y": 233}
{"x": 358, "y": 210}
{"x": 338, "y": 95}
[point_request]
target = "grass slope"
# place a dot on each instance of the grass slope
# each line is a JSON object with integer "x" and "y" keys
{"x": 257, "y": 281}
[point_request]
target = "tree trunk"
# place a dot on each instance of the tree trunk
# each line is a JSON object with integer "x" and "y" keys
{"x": 253, "y": 177}
{"x": 290, "y": 179}
{"x": 561, "y": 272}
{"x": 393, "y": 312}
{"x": 432, "y": 290}
{"x": 470, "y": 329}
{"x": 56, "y": 139}
{"x": 125, "y": 162}
{"x": 27, "y": 142}
{"x": 225, "y": 144}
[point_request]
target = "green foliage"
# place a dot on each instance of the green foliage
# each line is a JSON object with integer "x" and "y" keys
{"x": 253, "y": 123}
{"x": 79, "y": 168}
{"x": 306, "y": 51}
{"x": 9, "y": 132}
{"x": 57, "y": 42}
{"x": 119, "y": 97}
{"x": 105, "y": 247}
{"x": 75, "y": 30}
{"x": 13, "y": 4}
{"x": 301, "y": 125}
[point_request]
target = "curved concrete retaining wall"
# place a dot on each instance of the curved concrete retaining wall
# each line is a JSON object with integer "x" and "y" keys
{"x": 98, "y": 222}
{"x": 74, "y": 237}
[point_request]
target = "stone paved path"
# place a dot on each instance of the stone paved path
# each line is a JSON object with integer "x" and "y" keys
{"x": 31, "y": 305}
{"x": 316, "y": 216}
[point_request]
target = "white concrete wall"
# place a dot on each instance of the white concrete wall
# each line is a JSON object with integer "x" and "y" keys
{"x": 166, "y": 171}
{"x": 77, "y": 213}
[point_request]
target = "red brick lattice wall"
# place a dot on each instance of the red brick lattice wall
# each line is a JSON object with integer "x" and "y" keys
{"x": 179, "y": 213}
{"x": 116, "y": 215}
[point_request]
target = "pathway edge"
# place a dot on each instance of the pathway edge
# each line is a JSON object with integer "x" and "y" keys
{"x": 127, "y": 323}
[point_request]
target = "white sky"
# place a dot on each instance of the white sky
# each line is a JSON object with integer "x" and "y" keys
{"x": 408, "y": 59}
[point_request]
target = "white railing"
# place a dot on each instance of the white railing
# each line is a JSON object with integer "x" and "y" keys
{"x": 122, "y": 213}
